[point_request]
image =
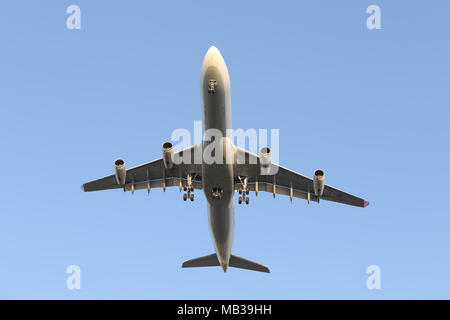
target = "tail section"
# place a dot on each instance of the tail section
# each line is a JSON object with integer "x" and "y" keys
{"x": 235, "y": 261}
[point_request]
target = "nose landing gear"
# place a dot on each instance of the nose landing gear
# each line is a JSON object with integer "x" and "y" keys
{"x": 212, "y": 86}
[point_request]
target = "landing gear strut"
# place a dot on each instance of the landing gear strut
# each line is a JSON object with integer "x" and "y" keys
{"x": 217, "y": 193}
{"x": 189, "y": 189}
{"x": 212, "y": 86}
{"x": 244, "y": 191}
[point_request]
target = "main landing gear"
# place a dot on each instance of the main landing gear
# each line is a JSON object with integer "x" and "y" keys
{"x": 217, "y": 193}
{"x": 189, "y": 189}
{"x": 243, "y": 191}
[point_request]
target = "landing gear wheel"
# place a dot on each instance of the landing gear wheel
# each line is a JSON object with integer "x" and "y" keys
{"x": 247, "y": 192}
{"x": 185, "y": 189}
{"x": 185, "y": 197}
{"x": 240, "y": 200}
{"x": 247, "y": 200}
{"x": 192, "y": 197}
{"x": 240, "y": 191}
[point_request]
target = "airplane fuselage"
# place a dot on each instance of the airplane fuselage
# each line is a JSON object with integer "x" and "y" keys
{"x": 218, "y": 178}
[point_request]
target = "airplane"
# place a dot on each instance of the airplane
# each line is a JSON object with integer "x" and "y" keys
{"x": 220, "y": 181}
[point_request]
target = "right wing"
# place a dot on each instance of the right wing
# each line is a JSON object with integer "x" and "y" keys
{"x": 153, "y": 175}
{"x": 286, "y": 182}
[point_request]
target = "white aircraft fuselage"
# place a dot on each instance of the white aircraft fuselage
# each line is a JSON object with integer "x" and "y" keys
{"x": 216, "y": 112}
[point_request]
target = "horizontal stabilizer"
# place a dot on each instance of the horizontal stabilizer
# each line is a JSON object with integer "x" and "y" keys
{"x": 235, "y": 261}
{"x": 206, "y": 261}
{"x": 238, "y": 262}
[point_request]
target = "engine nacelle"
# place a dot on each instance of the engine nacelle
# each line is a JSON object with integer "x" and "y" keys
{"x": 319, "y": 182}
{"x": 167, "y": 150}
{"x": 121, "y": 172}
{"x": 264, "y": 157}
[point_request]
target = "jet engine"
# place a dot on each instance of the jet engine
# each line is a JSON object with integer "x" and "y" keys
{"x": 319, "y": 182}
{"x": 264, "y": 157}
{"x": 121, "y": 172}
{"x": 167, "y": 150}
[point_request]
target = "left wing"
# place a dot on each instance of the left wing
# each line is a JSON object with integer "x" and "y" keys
{"x": 153, "y": 175}
{"x": 285, "y": 182}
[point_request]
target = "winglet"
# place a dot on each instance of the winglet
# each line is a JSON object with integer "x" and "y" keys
{"x": 366, "y": 203}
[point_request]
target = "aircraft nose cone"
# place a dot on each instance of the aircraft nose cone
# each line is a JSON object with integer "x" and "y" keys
{"x": 213, "y": 50}
{"x": 213, "y": 56}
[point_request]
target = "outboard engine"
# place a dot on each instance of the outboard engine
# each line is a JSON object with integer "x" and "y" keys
{"x": 319, "y": 182}
{"x": 120, "y": 171}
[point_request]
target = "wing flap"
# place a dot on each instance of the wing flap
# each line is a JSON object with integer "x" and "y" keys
{"x": 268, "y": 187}
{"x": 170, "y": 182}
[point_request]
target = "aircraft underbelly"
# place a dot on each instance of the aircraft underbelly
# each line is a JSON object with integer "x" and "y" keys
{"x": 221, "y": 222}
{"x": 217, "y": 176}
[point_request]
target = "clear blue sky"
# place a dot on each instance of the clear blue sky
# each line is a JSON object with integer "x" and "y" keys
{"x": 371, "y": 108}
